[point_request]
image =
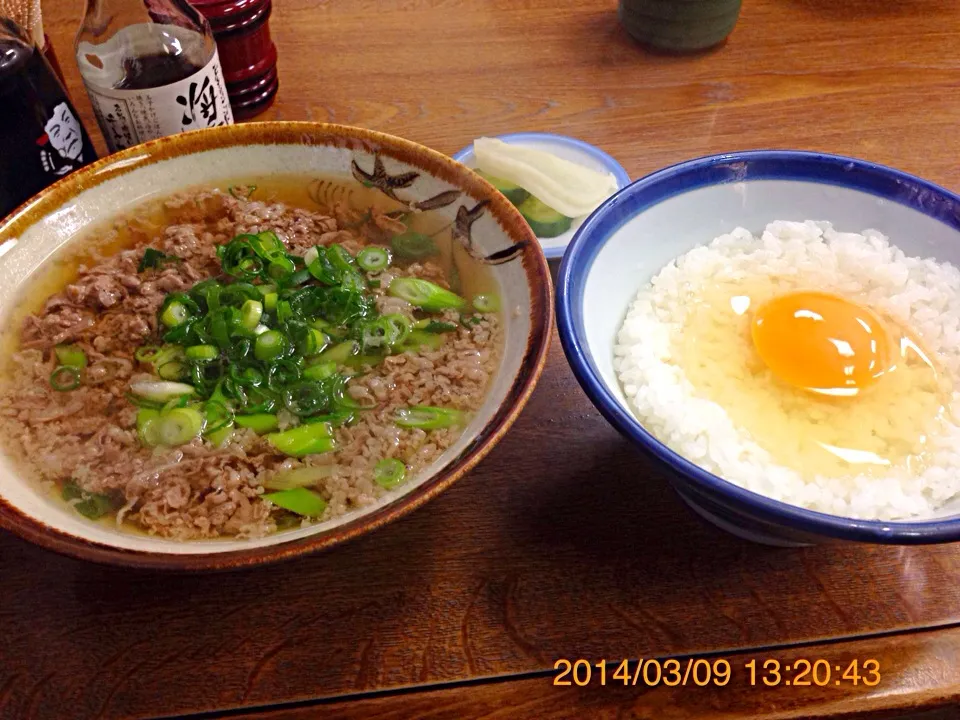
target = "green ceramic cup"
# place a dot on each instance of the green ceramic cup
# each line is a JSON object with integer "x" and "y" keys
{"x": 679, "y": 25}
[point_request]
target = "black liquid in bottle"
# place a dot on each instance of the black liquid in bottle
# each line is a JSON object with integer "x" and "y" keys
{"x": 41, "y": 137}
{"x": 150, "y": 71}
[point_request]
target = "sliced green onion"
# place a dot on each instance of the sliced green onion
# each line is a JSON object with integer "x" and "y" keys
{"x": 304, "y": 440}
{"x": 266, "y": 244}
{"x": 284, "y": 311}
{"x": 89, "y": 504}
{"x": 188, "y": 332}
{"x": 65, "y": 378}
{"x": 173, "y": 370}
{"x": 299, "y": 500}
{"x": 177, "y": 402}
{"x": 308, "y": 398}
{"x": 414, "y": 246}
{"x": 237, "y": 293}
{"x": 169, "y": 352}
{"x": 320, "y": 371}
{"x": 160, "y": 391}
{"x": 71, "y": 356}
{"x": 425, "y": 295}
{"x": 373, "y": 259}
{"x": 386, "y": 331}
{"x": 147, "y": 353}
{"x": 242, "y": 192}
{"x": 260, "y": 423}
{"x": 318, "y": 344}
{"x": 270, "y": 345}
{"x": 435, "y": 326}
{"x": 360, "y": 361}
{"x": 389, "y": 472}
{"x": 284, "y": 372}
{"x": 486, "y": 303}
{"x": 153, "y": 258}
{"x": 307, "y": 341}
{"x": 281, "y": 267}
{"x": 400, "y": 327}
{"x": 239, "y": 259}
{"x": 148, "y": 425}
{"x": 270, "y": 301}
{"x": 298, "y": 278}
{"x": 218, "y": 415}
{"x": 207, "y": 291}
{"x": 298, "y": 477}
{"x": 221, "y": 436}
{"x": 250, "y": 314}
{"x": 420, "y": 339}
{"x": 202, "y": 352}
{"x": 140, "y": 402}
{"x": 426, "y": 417}
{"x": 337, "y": 418}
{"x": 176, "y": 313}
{"x": 353, "y": 281}
{"x": 340, "y": 258}
{"x": 180, "y": 426}
{"x": 339, "y": 354}
{"x": 250, "y": 376}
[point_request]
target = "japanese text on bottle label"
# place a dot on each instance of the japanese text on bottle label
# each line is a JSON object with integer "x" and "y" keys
{"x": 129, "y": 117}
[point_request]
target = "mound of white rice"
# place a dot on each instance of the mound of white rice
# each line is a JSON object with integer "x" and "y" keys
{"x": 922, "y": 294}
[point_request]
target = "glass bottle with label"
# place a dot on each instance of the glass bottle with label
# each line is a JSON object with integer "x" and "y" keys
{"x": 151, "y": 69}
{"x": 41, "y": 136}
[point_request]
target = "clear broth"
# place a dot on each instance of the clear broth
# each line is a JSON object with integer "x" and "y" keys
{"x": 141, "y": 225}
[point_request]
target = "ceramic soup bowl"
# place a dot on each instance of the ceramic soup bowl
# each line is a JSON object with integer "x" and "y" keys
{"x": 494, "y": 230}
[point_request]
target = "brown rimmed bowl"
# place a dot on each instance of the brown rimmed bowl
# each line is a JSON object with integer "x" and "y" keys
{"x": 61, "y": 213}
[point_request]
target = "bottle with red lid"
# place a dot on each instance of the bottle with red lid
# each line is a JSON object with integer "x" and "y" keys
{"x": 242, "y": 32}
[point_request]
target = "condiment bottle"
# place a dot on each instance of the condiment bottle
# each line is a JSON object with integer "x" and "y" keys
{"x": 151, "y": 69}
{"x": 41, "y": 136}
{"x": 242, "y": 31}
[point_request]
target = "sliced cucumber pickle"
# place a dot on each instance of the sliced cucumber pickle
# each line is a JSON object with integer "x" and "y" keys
{"x": 543, "y": 220}
{"x": 514, "y": 193}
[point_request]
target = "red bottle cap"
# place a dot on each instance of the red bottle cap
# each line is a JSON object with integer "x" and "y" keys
{"x": 248, "y": 55}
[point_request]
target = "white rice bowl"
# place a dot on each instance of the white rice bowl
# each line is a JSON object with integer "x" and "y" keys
{"x": 923, "y": 294}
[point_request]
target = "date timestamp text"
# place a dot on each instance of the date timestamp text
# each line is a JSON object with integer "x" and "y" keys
{"x": 703, "y": 672}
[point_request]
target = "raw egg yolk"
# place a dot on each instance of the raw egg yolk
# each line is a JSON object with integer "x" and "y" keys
{"x": 821, "y": 342}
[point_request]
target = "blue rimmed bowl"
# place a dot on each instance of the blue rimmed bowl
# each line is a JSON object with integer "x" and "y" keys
{"x": 629, "y": 238}
{"x": 565, "y": 147}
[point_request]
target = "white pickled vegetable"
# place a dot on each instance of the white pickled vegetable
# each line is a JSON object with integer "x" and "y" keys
{"x": 568, "y": 188}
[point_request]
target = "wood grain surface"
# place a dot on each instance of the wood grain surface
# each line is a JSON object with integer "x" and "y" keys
{"x": 564, "y": 542}
{"x": 906, "y": 688}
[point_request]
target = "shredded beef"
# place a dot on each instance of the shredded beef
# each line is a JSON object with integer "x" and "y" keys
{"x": 89, "y": 435}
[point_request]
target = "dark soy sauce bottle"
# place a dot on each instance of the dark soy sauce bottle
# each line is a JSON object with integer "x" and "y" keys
{"x": 41, "y": 136}
{"x": 151, "y": 69}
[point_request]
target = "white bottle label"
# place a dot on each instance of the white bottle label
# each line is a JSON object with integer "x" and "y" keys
{"x": 130, "y": 117}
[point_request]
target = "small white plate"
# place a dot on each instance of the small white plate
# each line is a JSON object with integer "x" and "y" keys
{"x": 567, "y": 148}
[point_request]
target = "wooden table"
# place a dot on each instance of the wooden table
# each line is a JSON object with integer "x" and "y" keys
{"x": 564, "y": 543}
